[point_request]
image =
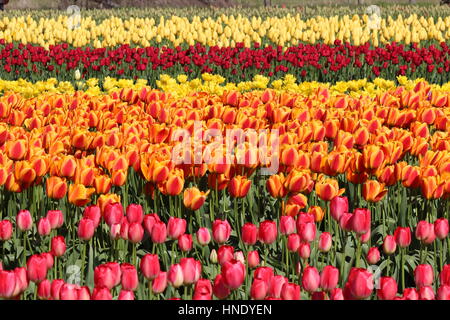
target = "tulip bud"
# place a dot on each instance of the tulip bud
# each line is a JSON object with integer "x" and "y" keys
{"x": 304, "y": 250}
{"x": 221, "y": 231}
{"x": 86, "y": 229}
{"x": 6, "y": 229}
{"x": 175, "y": 275}
{"x": 253, "y": 259}
{"x": 44, "y": 227}
{"x": 213, "y": 256}
{"x": 389, "y": 245}
{"x": 329, "y": 278}
{"x": 203, "y": 236}
{"x": 310, "y": 279}
{"x": 24, "y": 220}
{"x": 338, "y": 206}
{"x": 325, "y": 241}
{"x": 150, "y": 266}
{"x": 135, "y": 232}
{"x": 373, "y": 255}
{"x": 249, "y": 233}
{"x": 185, "y": 242}
{"x": 423, "y": 275}
{"x": 114, "y": 231}
{"x": 58, "y": 246}
{"x": 402, "y": 237}
{"x": 388, "y": 288}
{"x": 239, "y": 256}
{"x": 441, "y": 228}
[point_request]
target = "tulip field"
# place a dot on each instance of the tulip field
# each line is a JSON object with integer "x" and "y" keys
{"x": 200, "y": 154}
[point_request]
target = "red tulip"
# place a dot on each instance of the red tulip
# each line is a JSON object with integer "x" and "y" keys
{"x": 411, "y": 294}
{"x": 360, "y": 283}
{"x": 249, "y": 233}
{"x": 176, "y": 227}
{"x": 44, "y": 227}
{"x": 86, "y": 229}
{"x": 220, "y": 289}
{"x": 258, "y": 290}
{"x": 130, "y": 280}
{"x": 55, "y": 288}
{"x": 345, "y": 222}
{"x": 7, "y": 283}
{"x": 135, "y": 232}
{"x": 253, "y": 259}
{"x": 325, "y": 242}
{"x": 185, "y": 242}
{"x": 264, "y": 273}
{"x": 336, "y": 294}
{"x": 113, "y": 213}
{"x": 135, "y": 213}
{"x": 423, "y": 275}
{"x": 304, "y": 250}
{"x": 84, "y": 293}
{"x": 24, "y": 220}
{"x": 48, "y": 258}
{"x": 287, "y": 225}
{"x": 224, "y": 254}
{"x": 202, "y": 290}
{"x": 58, "y": 245}
{"x": 338, "y": 206}
{"x": 276, "y": 286}
{"x": 373, "y": 255}
{"x": 37, "y": 268}
{"x": 389, "y": 245}
{"x": 159, "y": 284}
{"x": 293, "y": 242}
{"x": 6, "y": 229}
{"x": 149, "y": 222}
{"x": 192, "y": 270}
{"x": 424, "y": 230}
{"x": 56, "y": 218}
{"x": 388, "y": 288}
{"x": 233, "y": 273}
{"x": 310, "y": 279}
{"x": 441, "y": 228}
{"x": 116, "y": 271}
{"x": 43, "y": 290}
{"x": 93, "y": 212}
{"x": 104, "y": 277}
{"x": 307, "y": 231}
{"x": 360, "y": 221}
{"x": 124, "y": 226}
{"x": 101, "y": 293}
{"x": 68, "y": 292}
{"x": 221, "y": 231}
{"x": 150, "y": 266}
{"x": 21, "y": 280}
{"x": 159, "y": 232}
{"x": 175, "y": 275}
{"x": 203, "y": 236}
{"x": 402, "y": 236}
{"x": 267, "y": 232}
{"x": 443, "y": 292}
{"x": 329, "y": 278}
{"x": 290, "y": 291}
{"x": 426, "y": 293}
{"x": 126, "y": 295}
{"x": 445, "y": 275}
{"x": 319, "y": 295}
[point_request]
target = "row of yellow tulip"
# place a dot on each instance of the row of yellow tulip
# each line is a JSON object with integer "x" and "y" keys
{"x": 224, "y": 30}
{"x": 212, "y": 84}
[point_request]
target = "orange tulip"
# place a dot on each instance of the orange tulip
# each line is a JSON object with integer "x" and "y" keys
{"x": 174, "y": 183}
{"x": 298, "y": 181}
{"x": 432, "y": 187}
{"x": 17, "y": 150}
{"x": 104, "y": 199}
{"x": 67, "y": 167}
{"x": 327, "y": 189}
{"x": 79, "y": 195}
{"x": 102, "y": 184}
{"x": 317, "y": 212}
{"x": 373, "y": 191}
{"x": 119, "y": 177}
{"x": 193, "y": 198}
{"x": 275, "y": 186}
{"x": 295, "y": 204}
{"x": 56, "y": 187}
{"x": 239, "y": 186}
{"x": 217, "y": 181}
{"x": 373, "y": 157}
